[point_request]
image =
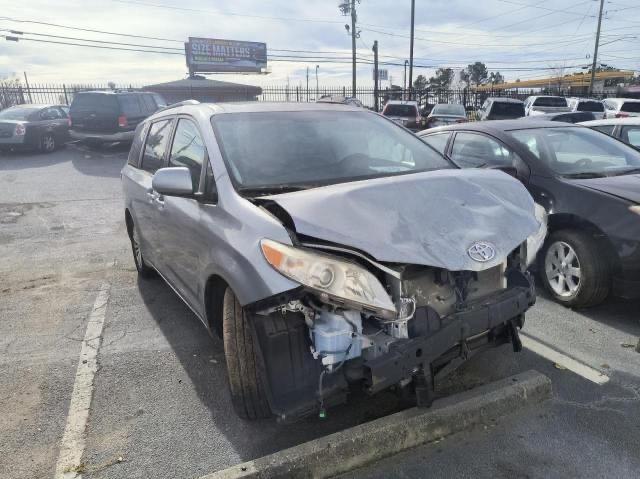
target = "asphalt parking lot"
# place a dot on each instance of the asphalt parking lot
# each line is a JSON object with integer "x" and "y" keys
{"x": 160, "y": 406}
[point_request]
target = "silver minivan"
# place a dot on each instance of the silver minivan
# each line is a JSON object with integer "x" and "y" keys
{"x": 328, "y": 246}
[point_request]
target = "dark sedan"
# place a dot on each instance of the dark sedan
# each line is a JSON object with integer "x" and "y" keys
{"x": 588, "y": 182}
{"x": 39, "y": 127}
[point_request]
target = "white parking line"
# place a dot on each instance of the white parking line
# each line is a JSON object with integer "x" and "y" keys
{"x": 557, "y": 357}
{"x": 73, "y": 440}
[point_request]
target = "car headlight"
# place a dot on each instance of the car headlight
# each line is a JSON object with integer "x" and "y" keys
{"x": 635, "y": 209}
{"x": 330, "y": 277}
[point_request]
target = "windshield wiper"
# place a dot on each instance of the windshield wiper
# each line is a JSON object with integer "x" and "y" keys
{"x": 628, "y": 171}
{"x": 270, "y": 189}
{"x": 585, "y": 175}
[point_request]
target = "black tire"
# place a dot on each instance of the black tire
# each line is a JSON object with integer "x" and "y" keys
{"x": 593, "y": 262}
{"x": 247, "y": 391}
{"x": 48, "y": 143}
{"x": 144, "y": 270}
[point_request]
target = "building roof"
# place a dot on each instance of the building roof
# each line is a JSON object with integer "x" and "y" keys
{"x": 203, "y": 84}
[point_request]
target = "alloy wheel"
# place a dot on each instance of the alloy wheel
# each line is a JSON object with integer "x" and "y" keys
{"x": 48, "y": 143}
{"x": 562, "y": 268}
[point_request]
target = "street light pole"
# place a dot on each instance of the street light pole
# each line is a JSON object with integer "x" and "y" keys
{"x": 413, "y": 18}
{"x": 595, "y": 52}
{"x": 375, "y": 75}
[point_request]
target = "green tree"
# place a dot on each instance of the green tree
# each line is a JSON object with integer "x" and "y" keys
{"x": 442, "y": 78}
{"x": 420, "y": 83}
{"x": 475, "y": 73}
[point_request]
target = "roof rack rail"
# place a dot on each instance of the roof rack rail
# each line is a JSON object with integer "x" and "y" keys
{"x": 180, "y": 103}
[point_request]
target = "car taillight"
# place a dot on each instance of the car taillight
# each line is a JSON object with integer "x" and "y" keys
{"x": 122, "y": 121}
{"x": 622, "y": 115}
{"x": 20, "y": 130}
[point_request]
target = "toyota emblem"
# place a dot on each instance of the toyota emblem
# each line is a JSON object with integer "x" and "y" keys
{"x": 481, "y": 251}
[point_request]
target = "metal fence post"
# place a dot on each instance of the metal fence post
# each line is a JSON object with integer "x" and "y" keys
{"x": 66, "y": 97}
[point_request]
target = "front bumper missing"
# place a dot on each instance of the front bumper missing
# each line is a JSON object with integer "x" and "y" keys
{"x": 496, "y": 317}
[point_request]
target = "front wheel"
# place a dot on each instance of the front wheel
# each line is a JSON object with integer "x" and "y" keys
{"x": 575, "y": 269}
{"x": 245, "y": 379}
{"x": 143, "y": 268}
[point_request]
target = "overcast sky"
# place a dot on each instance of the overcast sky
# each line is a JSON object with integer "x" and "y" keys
{"x": 519, "y": 38}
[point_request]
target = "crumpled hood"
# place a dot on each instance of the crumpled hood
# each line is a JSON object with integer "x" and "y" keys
{"x": 430, "y": 218}
{"x": 623, "y": 186}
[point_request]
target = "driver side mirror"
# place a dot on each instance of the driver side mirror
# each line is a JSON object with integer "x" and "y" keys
{"x": 173, "y": 181}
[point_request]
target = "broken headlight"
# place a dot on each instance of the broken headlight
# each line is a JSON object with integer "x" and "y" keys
{"x": 331, "y": 277}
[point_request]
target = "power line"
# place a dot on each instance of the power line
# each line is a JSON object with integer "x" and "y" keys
{"x": 233, "y": 14}
{"x": 553, "y": 10}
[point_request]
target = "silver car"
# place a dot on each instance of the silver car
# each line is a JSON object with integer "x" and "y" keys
{"x": 328, "y": 246}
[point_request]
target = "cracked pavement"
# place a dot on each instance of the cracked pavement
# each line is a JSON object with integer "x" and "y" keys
{"x": 160, "y": 407}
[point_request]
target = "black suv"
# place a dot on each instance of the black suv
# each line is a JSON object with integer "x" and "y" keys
{"x": 108, "y": 116}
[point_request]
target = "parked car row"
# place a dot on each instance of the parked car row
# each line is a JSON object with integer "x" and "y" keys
{"x": 93, "y": 117}
{"x": 588, "y": 182}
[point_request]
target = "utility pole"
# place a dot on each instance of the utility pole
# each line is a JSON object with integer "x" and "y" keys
{"x": 413, "y": 20}
{"x": 404, "y": 78}
{"x": 317, "y": 89}
{"x": 375, "y": 75}
{"x": 595, "y": 51}
{"x": 353, "y": 48}
{"x": 307, "y": 84}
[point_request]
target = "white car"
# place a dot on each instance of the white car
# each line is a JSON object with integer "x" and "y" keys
{"x": 539, "y": 105}
{"x": 625, "y": 129}
{"x": 621, "y": 107}
{"x": 587, "y": 104}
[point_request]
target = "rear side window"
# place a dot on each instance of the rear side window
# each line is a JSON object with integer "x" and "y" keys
{"x": 136, "y": 145}
{"x": 631, "y": 134}
{"x": 437, "y": 141}
{"x": 590, "y": 106}
{"x": 550, "y": 101}
{"x": 95, "y": 102}
{"x": 130, "y": 105}
{"x": 149, "y": 104}
{"x": 188, "y": 150}
{"x": 632, "y": 107}
{"x": 156, "y": 145}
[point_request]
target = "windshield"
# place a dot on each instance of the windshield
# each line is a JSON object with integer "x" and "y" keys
{"x": 579, "y": 152}
{"x": 310, "y": 148}
{"x": 590, "y": 106}
{"x": 17, "y": 113}
{"x": 401, "y": 110}
{"x": 448, "y": 110}
{"x": 550, "y": 101}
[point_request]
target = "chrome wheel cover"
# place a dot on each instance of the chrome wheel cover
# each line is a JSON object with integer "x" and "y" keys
{"x": 562, "y": 268}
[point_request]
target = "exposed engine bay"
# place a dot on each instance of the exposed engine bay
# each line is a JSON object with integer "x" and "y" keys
{"x": 392, "y": 325}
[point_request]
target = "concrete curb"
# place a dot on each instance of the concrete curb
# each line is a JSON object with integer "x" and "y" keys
{"x": 354, "y": 447}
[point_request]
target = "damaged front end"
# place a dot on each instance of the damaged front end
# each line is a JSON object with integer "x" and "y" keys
{"x": 360, "y": 323}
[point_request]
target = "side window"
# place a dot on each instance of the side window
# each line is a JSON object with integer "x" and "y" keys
{"x": 156, "y": 145}
{"x": 149, "y": 104}
{"x": 475, "y": 150}
{"x": 188, "y": 150}
{"x": 62, "y": 113}
{"x": 136, "y": 145}
{"x": 130, "y": 105}
{"x": 631, "y": 134}
{"x": 608, "y": 129}
{"x": 437, "y": 141}
{"x": 50, "y": 114}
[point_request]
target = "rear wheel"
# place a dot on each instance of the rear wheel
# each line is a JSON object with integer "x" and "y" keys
{"x": 47, "y": 143}
{"x": 575, "y": 269}
{"x": 245, "y": 381}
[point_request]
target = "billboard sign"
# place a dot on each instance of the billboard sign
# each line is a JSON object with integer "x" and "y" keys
{"x": 210, "y": 55}
{"x": 382, "y": 74}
